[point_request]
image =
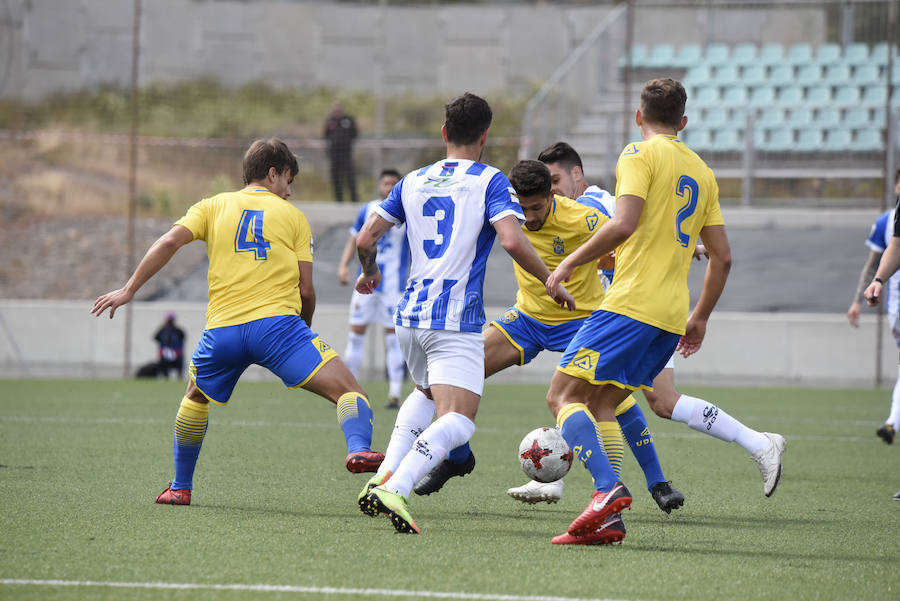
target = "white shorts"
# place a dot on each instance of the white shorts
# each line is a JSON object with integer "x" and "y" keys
{"x": 895, "y": 327}
{"x": 671, "y": 363}
{"x": 377, "y": 307}
{"x": 443, "y": 357}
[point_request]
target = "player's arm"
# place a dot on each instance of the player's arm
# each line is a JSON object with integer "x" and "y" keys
{"x": 514, "y": 242}
{"x": 307, "y": 292}
{"x": 346, "y": 256}
{"x": 366, "y": 249}
{"x": 157, "y": 256}
{"x": 719, "y": 251}
{"x": 607, "y": 238}
{"x": 890, "y": 262}
{"x": 865, "y": 276}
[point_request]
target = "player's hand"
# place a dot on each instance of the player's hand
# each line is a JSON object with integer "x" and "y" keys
{"x": 700, "y": 251}
{"x": 559, "y": 275}
{"x": 564, "y": 299}
{"x": 111, "y": 300}
{"x": 607, "y": 262}
{"x": 853, "y": 314}
{"x": 343, "y": 276}
{"x": 872, "y": 294}
{"x": 690, "y": 342}
{"x": 366, "y": 284}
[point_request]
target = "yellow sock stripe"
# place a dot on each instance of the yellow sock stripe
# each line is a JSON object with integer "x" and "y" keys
{"x": 347, "y": 407}
{"x": 625, "y": 405}
{"x": 568, "y": 410}
{"x": 611, "y": 438}
{"x": 190, "y": 422}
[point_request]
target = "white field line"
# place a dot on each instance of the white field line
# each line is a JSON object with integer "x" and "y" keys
{"x": 274, "y": 588}
{"x": 52, "y": 419}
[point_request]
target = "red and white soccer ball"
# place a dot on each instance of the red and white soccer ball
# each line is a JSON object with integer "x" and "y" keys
{"x": 544, "y": 455}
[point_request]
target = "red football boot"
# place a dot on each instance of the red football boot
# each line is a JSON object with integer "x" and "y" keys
{"x": 174, "y": 497}
{"x": 364, "y": 461}
{"x": 611, "y": 531}
{"x": 602, "y": 505}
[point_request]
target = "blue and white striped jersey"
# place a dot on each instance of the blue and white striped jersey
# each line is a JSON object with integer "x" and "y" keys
{"x": 393, "y": 251}
{"x": 448, "y": 208}
{"x": 878, "y": 240}
{"x": 598, "y": 198}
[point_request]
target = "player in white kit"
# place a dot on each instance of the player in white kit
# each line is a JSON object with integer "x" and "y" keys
{"x": 452, "y": 209}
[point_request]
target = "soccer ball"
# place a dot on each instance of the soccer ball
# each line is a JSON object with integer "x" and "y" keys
{"x": 544, "y": 455}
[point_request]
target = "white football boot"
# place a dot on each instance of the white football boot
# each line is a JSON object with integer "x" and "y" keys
{"x": 535, "y": 492}
{"x": 769, "y": 462}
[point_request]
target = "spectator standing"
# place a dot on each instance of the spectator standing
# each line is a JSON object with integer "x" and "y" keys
{"x": 340, "y": 133}
{"x": 170, "y": 339}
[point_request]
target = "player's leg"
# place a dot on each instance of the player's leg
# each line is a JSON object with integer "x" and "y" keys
{"x": 361, "y": 306}
{"x": 891, "y": 426}
{"x": 765, "y": 448}
{"x": 396, "y": 368}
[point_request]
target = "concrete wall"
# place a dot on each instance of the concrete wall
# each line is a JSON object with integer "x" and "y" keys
{"x": 48, "y": 45}
{"x": 50, "y": 339}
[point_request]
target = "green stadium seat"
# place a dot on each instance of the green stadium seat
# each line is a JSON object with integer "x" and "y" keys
{"x": 798, "y": 117}
{"x": 790, "y": 95}
{"x": 809, "y": 139}
{"x": 846, "y": 95}
{"x": 717, "y": 54}
{"x": 771, "y": 55}
{"x": 856, "y": 117}
{"x": 707, "y": 96}
{"x": 868, "y": 139}
{"x": 762, "y": 96}
{"x": 743, "y": 55}
{"x": 828, "y": 117}
{"x": 856, "y": 54}
{"x": 662, "y": 55}
{"x": 818, "y": 96}
{"x": 726, "y": 140}
{"x": 697, "y": 138}
{"x": 877, "y": 118}
{"x": 715, "y": 117}
{"x": 828, "y": 55}
{"x": 865, "y": 75}
{"x": 770, "y": 117}
{"x": 839, "y": 139}
{"x": 879, "y": 54}
{"x": 874, "y": 96}
{"x": 638, "y": 56}
{"x": 735, "y": 96}
{"x": 799, "y": 54}
{"x": 754, "y": 76}
{"x": 700, "y": 75}
{"x": 781, "y": 75}
{"x": 837, "y": 75}
{"x": 726, "y": 75}
{"x": 809, "y": 75}
{"x": 689, "y": 55}
{"x": 778, "y": 140}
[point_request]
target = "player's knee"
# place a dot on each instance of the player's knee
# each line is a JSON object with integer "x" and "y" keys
{"x": 660, "y": 404}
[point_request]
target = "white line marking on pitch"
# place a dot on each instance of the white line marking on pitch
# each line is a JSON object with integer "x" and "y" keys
{"x": 295, "y": 589}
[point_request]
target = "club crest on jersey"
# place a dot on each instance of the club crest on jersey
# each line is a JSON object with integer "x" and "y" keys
{"x": 559, "y": 247}
{"x": 510, "y": 316}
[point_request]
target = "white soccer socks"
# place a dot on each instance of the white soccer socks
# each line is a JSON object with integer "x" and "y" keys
{"x": 709, "y": 419}
{"x": 353, "y": 354}
{"x": 396, "y": 365}
{"x": 413, "y": 417}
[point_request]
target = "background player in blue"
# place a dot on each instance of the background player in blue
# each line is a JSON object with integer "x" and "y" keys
{"x": 452, "y": 209}
{"x": 261, "y": 303}
{"x": 664, "y": 399}
{"x": 879, "y": 238}
{"x": 378, "y": 307}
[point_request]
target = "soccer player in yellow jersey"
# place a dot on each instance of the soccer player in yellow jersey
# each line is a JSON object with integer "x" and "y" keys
{"x": 261, "y": 303}
{"x": 665, "y": 197}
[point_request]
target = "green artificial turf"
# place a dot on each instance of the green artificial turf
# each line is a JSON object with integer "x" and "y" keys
{"x": 82, "y": 461}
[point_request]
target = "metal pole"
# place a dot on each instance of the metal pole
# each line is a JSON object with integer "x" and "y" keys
{"x": 747, "y": 182}
{"x": 132, "y": 174}
{"x": 626, "y": 76}
{"x": 378, "y": 163}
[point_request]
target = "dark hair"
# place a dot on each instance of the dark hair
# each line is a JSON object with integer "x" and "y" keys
{"x": 561, "y": 153}
{"x": 265, "y": 154}
{"x": 530, "y": 178}
{"x": 466, "y": 118}
{"x": 662, "y": 101}
{"x": 390, "y": 172}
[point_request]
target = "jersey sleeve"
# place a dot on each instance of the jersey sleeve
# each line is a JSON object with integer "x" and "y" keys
{"x": 303, "y": 243}
{"x": 196, "y": 219}
{"x": 360, "y": 221}
{"x": 633, "y": 172}
{"x": 391, "y": 208}
{"x": 714, "y": 213}
{"x": 876, "y": 240}
{"x": 501, "y": 200}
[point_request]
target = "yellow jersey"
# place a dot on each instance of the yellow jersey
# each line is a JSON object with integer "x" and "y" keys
{"x": 681, "y": 197}
{"x": 569, "y": 225}
{"x": 254, "y": 240}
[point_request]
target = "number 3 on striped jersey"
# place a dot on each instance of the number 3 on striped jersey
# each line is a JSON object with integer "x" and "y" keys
{"x": 251, "y": 222}
{"x": 689, "y": 185}
{"x": 435, "y": 249}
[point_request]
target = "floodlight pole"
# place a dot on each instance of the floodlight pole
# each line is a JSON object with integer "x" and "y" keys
{"x": 132, "y": 176}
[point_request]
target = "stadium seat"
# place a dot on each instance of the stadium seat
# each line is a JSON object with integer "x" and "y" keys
{"x": 837, "y": 75}
{"x": 818, "y": 96}
{"x": 743, "y": 55}
{"x": 828, "y": 54}
{"x": 662, "y": 55}
{"x": 778, "y": 140}
{"x": 770, "y": 117}
{"x": 790, "y": 95}
{"x": 725, "y": 75}
{"x": 865, "y": 75}
{"x": 726, "y": 140}
{"x": 879, "y": 54}
{"x": 827, "y": 117}
{"x": 874, "y": 96}
{"x": 689, "y": 55}
{"x": 856, "y": 54}
{"x": 754, "y": 75}
{"x": 799, "y": 54}
{"x": 798, "y": 117}
{"x": 877, "y": 118}
{"x": 707, "y": 96}
{"x": 700, "y": 75}
{"x": 735, "y": 96}
{"x": 697, "y": 138}
{"x": 762, "y": 96}
{"x": 771, "y": 55}
{"x": 895, "y": 72}
{"x": 846, "y": 95}
{"x": 809, "y": 139}
{"x": 781, "y": 75}
{"x": 856, "y": 117}
{"x": 717, "y": 54}
{"x": 715, "y": 117}
{"x": 638, "y": 56}
{"x": 838, "y": 139}
{"x": 808, "y": 75}
{"x": 867, "y": 140}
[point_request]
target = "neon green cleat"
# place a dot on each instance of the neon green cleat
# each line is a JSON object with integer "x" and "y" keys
{"x": 396, "y": 507}
{"x": 362, "y": 500}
